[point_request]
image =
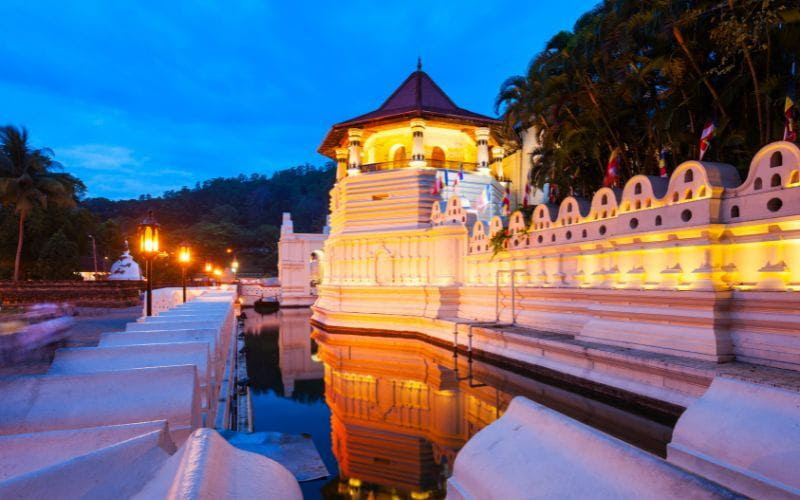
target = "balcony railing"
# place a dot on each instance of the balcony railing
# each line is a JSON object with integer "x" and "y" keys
{"x": 392, "y": 165}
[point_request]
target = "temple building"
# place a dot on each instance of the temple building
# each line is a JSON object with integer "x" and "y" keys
{"x": 420, "y": 127}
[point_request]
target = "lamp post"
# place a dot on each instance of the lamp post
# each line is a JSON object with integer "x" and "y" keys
{"x": 209, "y": 268}
{"x": 184, "y": 257}
{"x": 148, "y": 246}
{"x": 218, "y": 274}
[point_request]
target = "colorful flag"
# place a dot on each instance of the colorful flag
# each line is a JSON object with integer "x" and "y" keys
{"x": 662, "y": 163}
{"x": 552, "y": 193}
{"x": 507, "y": 202}
{"x": 789, "y": 107}
{"x": 460, "y": 176}
{"x": 706, "y": 136}
{"x": 446, "y": 178}
{"x": 483, "y": 199}
{"x": 526, "y": 198}
{"x": 612, "y": 170}
{"x": 437, "y": 183}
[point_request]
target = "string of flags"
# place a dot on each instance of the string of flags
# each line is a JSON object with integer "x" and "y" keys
{"x": 789, "y": 110}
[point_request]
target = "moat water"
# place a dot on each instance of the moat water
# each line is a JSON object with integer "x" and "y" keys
{"x": 388, "y": 415}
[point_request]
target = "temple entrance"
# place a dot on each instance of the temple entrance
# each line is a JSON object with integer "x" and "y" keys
{"x": 399, "y": 154}
{"x": 437, "y": 157}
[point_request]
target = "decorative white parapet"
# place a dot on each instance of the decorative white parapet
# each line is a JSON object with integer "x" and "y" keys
{"x": 104, "y": 420}
{"x": 103, "y": 359}
{"x": 742, "y": 435}
{"x": 53, "y": 402}
{"x": 208, "y": 467}
{"x": 97, "y": 462}
{"x": 165, "y": 336}
{"x": 535, "y": 452}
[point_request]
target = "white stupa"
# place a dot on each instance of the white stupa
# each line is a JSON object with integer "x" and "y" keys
{"x": 125, "y": 268}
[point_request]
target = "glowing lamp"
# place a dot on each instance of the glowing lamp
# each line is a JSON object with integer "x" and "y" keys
{"x": 184, "y": 257}
{"x": 184, "y": 253}
{"x": 148, "y": 245}
{"x": 149, "y": 235}
{"x": 217, "y": 272}
{"x": 209, "y": 267}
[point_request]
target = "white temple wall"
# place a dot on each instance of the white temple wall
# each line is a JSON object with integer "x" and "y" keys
{"x": 601, "y": 270}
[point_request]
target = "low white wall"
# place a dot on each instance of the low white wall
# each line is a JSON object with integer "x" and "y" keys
{"x": 116, "y": 470}
{"x": 208, "y": 467}
{"x": 51, "y": 402}
{"x": 744, "y": 436}
{"x": 535, "y": 452}
{"x": 102, "y": 359}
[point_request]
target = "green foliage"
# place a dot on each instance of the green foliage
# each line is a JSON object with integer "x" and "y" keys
{"x": 499, "y": 240}
{"x": 31, "y": 179}
{"x": 643, "y": 76}
{"x": 239, "y": 213}
{"x": 58, "y": 259}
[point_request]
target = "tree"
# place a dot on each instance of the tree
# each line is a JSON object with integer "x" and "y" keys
{"x": 30, "y": 178}
{"x": 58, "y": 259}
{"x": 645, "y": 76}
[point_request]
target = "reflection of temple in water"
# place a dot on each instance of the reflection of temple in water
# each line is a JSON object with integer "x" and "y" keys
{"x": 282, "y": 344}
{"x": 402, "y": 408}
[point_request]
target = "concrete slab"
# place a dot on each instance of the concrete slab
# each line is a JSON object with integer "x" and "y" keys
{"x": 54, "y": 402}
{"x": 116, "y": 469}
{"x": 535, "y": 452}
{"x": 206, "y": 466}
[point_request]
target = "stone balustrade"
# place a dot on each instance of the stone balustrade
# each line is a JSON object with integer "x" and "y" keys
{"x": 105, "y": 420}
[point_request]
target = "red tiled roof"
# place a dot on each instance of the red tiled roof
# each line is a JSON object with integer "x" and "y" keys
{"x": 417, "y": 96}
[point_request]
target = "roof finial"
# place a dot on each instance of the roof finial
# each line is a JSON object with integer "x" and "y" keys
{"x": 419, "y": 63}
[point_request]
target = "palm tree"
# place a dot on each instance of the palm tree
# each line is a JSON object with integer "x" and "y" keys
{"x": 29, "y": 178}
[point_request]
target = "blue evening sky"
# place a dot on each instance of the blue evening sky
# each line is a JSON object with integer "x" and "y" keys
{"x": 139, "y": 97}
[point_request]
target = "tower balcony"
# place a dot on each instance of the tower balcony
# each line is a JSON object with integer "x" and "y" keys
{"x": 399, "y": 164}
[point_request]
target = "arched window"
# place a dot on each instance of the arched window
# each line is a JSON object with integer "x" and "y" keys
{"x": 776, "y": 160}
{"x": 758, "y": 184}
{"x": 399, "y": 154}
{"x": 776, "y": 180}
{"x": 734, "y": 211}
{"x": 688, "y": 176}
{"x": 437, "y": 157}
{"x": 637, "y": 189}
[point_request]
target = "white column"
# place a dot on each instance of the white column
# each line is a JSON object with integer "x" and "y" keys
{"x": 497, "y": 159}
{"x": 482, "y": 140}
{"x": 354, "y": 160}
{"x": 417, "y": 143}
{"x": 342, "y": 155}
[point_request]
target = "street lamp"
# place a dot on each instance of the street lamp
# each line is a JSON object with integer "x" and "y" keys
{"x": 184, "y": 257}
{"x": 234, "y": 265}
{"x": 218, "y": 274}
{"x": 149, "y": 231}
{"x": 209, "y": 268}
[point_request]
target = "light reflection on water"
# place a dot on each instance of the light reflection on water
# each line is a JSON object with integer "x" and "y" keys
{"x": 389, "y": 414}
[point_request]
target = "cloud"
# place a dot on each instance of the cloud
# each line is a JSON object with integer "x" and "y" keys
{"x": 100, "y": 157}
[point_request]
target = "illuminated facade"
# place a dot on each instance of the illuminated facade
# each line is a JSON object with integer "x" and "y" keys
{"x": 702, "y": 267}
